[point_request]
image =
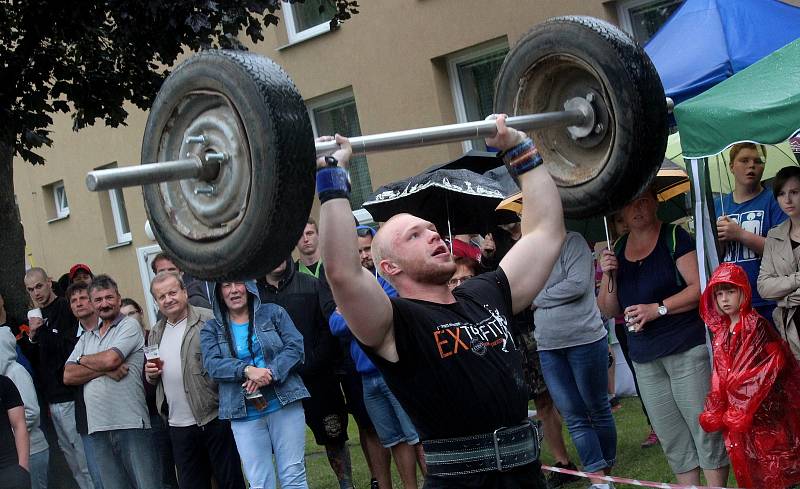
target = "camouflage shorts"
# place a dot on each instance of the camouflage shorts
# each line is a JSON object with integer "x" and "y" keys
{"x": 531, "y": 367}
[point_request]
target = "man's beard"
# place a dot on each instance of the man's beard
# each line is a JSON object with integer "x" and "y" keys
{"x": 437, "y": 275}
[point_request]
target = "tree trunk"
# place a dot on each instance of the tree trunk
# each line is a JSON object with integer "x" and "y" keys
{"x": 12, "y": 241}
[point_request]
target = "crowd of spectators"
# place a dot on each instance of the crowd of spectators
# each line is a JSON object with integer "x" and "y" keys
{"x": 426, "y": 342}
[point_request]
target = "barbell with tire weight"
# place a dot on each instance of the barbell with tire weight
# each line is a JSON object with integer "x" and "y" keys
{"x": 238, "y": 185}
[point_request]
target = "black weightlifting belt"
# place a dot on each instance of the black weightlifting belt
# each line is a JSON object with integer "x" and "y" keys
{"x": 503, "y": 449}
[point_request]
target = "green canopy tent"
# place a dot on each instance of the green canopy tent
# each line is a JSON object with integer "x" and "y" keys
{"x": 778, "y": 156}
{"x": 760, "y": 104}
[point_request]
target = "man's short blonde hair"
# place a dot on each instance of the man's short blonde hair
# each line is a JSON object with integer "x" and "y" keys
{"x": 382, "y": 246}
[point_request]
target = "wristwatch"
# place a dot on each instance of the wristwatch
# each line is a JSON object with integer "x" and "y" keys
{"x": 78, "y": 360}
{"x": 662, "y": 309}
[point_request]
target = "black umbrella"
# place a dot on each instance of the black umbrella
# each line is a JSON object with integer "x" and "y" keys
{"x": 473, "y": 160}
{"x": 459, "y": 201}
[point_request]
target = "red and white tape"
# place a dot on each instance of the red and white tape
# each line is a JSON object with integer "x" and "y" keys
{"x": 622, "y": 480}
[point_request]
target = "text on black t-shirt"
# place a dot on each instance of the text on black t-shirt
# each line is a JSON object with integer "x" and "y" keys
{"x": 459, "y": 372}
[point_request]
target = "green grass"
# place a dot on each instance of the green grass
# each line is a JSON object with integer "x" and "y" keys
{"x": 320, "y": 475}
{"x": 632, "y": 461}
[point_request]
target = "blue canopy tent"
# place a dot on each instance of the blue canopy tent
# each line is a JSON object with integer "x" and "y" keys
{"x": 706, "y": 41}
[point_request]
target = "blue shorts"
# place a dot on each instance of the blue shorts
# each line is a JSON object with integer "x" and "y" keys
{"x": 391, "y": 421}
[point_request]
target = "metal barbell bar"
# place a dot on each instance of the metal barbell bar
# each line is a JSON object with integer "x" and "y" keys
{"x": 581, "y": 117}
{"x": 194, "y": 167}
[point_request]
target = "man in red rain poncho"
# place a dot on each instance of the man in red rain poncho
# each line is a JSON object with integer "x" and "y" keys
{"x": 755, "y": 386}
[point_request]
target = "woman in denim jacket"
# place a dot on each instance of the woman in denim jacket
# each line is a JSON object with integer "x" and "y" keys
{"x": 253, "y": 351}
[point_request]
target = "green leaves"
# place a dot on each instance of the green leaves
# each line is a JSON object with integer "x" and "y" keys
{"x": 92, "y": 57}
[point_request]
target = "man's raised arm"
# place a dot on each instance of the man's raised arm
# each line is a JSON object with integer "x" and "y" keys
{"x": 359, "y": 297}
{"x": 529, "y": 263}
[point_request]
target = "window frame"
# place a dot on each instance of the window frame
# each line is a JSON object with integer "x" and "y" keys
{"x": 62, "y": 211}
{"x": 117, "y": 200}
{"x": 325, "y": 101}
{"x": 624, "y": 14}
{"x": 462, "y": 57}
{"x": 293, "y": 34}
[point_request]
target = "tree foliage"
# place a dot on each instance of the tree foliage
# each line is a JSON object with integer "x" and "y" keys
{"x": 90, "y": 57}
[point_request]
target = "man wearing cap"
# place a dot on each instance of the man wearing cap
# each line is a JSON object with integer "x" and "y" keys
{"x": 80, "y": 273}
{"x": 54, "y": 332}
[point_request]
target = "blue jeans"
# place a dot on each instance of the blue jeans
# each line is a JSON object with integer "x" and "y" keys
{"x": 91, "y": 461}
{"x": 63, "y": 416}
{"x": 577, "y": 378}
{"x": 38, "y": 464}
{"x": 282, "y": 433}
{"x": 390, "y": 420}
{"x": 126, "y": 459}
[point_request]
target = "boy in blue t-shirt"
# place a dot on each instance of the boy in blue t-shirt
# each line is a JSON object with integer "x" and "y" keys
{"x": 750, "y": 212}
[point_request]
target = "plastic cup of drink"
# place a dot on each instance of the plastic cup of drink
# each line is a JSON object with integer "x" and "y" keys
{"x": 257, "y": 400}
{"x": 151, "y": 355}
{"x": 34, "y": 313}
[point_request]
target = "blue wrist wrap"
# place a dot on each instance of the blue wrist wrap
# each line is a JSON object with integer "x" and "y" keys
{"x": 332, "y": 182}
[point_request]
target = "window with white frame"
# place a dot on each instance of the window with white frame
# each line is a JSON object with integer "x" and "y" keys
{"x": 120, "y": 215}
{"x": 308, "y": 19}
{"x": 643, "y": 18}
{"x": 337, "y": 113}
{"x": 472, "y": 74}
{"x": 60, "y": 200}
{"x": 114, "y": 214}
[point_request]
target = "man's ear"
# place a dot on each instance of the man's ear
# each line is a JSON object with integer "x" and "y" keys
{"x": 389, "y": 268}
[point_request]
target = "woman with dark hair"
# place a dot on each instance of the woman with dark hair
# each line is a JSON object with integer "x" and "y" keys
{"x": 130, "y": 307}
{"x": 779, "y": 277}
{"x": 652, "y": 278}
{"x": 253, "y": 351}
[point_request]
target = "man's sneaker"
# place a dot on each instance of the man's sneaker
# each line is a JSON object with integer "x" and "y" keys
{"x": 651, "y": 440}
{"x": 373, "y": 484}
{"x": 558, "y": 479}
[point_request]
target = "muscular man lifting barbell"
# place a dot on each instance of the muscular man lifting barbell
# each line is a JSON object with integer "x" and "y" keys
{"x": 448, "y": 356}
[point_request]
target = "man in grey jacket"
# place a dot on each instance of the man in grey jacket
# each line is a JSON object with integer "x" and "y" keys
{"x": 202, "y": 444}
{"x": 573, "y": 350}
{"x": 39, "y": 454}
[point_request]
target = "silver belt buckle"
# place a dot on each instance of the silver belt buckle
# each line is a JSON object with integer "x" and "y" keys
{"x": 497, "y": 448}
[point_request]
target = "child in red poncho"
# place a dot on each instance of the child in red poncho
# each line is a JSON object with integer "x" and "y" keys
{"x": 755, "y": 386}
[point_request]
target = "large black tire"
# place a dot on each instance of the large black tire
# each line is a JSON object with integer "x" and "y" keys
{"x": 276, "y": 164}
{"x": 567, "y": 57}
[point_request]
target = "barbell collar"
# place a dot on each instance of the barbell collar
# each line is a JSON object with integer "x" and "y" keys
{"x": 134, "y": 176}
{"x": 429, "y": 136}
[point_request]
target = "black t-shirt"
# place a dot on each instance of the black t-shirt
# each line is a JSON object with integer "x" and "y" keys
{"x": 9, "y": 399}
{"x": 459, "y": 372}
{"x": 56, "y": 339}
